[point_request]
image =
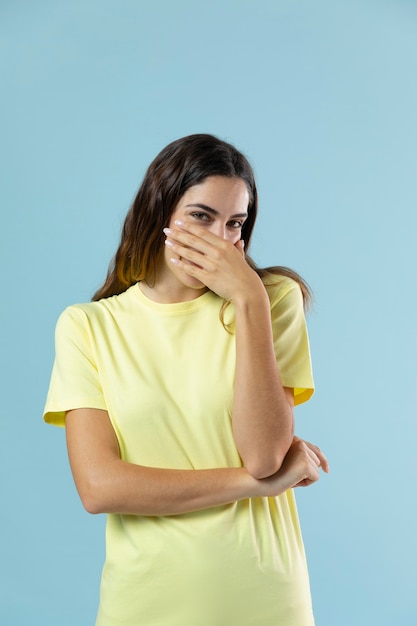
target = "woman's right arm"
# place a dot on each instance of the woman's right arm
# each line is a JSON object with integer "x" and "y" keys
{"x": 107, "y": 484}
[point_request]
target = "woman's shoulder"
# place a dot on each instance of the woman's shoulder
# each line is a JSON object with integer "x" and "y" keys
{"x": 279, "y": 287}
{"x": 82, "y": 312}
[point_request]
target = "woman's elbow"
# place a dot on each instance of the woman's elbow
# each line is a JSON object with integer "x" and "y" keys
{"x": 92, "y": 498}
{"x": 265, "y": 463}
{"x": 262, "y": 468}
{"x": 92, "y": 505}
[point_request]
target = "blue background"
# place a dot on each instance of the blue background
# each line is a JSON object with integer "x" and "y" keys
{"x": 322, "y": 97}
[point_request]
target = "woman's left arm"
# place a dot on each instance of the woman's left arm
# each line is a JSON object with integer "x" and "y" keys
{"x": 263, "y": 422}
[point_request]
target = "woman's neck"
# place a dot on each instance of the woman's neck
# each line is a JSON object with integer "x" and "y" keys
{"x": 169, "y": 292}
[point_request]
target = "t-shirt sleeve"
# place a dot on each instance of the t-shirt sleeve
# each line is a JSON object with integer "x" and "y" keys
{"x": 75, "y": 381}
{"x": 291, "y": 342}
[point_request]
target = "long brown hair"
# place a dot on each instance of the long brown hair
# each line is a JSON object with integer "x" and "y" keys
{"x": 180, "y": 165}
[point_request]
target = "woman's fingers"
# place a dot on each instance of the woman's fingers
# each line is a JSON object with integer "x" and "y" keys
{"x": 188, "y": 241}
{"x": 205, "y": 254}
{"x": 191, "y": 254}
{"x": 195, "y": 237}
{"x": 301, "y": 464}
{"x": 190, "y": 230}
{"x": 319, "y": 454}
{"x": 216, "y": 262}
{"x": 301, "y": 468}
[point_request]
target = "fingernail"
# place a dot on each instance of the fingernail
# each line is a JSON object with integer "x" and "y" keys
{"x": 174, "y": 261}
{"x": 179, "y": 222}
{"x": 169, "y": 243}
{"x": 167, "y": 231}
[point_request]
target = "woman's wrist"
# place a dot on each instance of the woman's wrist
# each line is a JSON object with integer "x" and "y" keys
{"x": 253, "y": 296}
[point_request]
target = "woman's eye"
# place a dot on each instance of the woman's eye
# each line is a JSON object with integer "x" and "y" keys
{"x": 236, "y": 224}
{"x": 201, "y": 216}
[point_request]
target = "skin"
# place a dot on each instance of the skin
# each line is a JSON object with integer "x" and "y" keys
{"x": 204, "y": 251}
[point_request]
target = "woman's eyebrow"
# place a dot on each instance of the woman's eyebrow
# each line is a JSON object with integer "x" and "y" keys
{"x": 199, "y": 205}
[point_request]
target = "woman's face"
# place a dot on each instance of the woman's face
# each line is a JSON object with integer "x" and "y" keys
{"x": 218, "y": 204}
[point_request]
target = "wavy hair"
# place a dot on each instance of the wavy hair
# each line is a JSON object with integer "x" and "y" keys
{"x": 180, "y": 165}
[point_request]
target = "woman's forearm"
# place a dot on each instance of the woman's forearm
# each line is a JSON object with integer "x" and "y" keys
{"x": 131, "y": 489}
{"x": 263, "y": 422}
{"x": 107, "y": 484}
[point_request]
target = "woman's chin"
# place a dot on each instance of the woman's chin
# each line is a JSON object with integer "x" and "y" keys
{"x": 193, "y": 283}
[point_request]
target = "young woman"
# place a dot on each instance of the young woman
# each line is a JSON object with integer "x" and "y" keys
{"x": 176, "y": 386}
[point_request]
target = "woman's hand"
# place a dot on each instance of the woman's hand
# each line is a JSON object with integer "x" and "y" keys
{"x": 299, "y": 469}
{"x": 324, "y": 463}
{"x": 216, "y": 262}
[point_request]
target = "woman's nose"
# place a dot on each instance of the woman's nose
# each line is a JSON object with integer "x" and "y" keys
{"x": 220, "y": 230}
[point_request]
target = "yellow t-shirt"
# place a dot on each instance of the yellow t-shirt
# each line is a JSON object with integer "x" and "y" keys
{"x": 164, "y": 373}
